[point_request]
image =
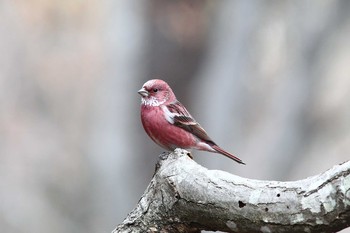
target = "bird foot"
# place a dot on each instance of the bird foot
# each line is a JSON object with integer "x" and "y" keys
{"x": 183, "y": 151}
{"x": 189, "y": 154}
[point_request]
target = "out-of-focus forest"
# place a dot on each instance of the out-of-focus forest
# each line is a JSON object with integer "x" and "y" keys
{"x": 268, "y": 80}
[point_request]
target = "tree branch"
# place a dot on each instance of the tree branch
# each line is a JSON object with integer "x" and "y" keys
{"x": 186, "y": 197}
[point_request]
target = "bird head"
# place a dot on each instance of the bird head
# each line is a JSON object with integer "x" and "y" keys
{"x": 156, "y": 92}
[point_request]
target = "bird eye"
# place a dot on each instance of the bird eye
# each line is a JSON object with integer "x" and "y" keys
{"x": 155, "y": 90}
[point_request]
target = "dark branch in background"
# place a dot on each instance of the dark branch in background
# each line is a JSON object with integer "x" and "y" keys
{"x": 186, "y": 197}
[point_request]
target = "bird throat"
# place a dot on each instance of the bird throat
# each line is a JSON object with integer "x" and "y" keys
{"x": 151, "y": 101}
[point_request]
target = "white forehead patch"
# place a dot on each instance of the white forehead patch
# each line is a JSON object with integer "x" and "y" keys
{"x": 149, "y": 83}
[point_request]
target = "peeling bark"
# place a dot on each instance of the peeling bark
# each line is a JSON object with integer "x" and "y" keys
{"x": 186, "y": 197}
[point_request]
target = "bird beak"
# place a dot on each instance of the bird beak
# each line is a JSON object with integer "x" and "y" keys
{"x": 143, "y": 92}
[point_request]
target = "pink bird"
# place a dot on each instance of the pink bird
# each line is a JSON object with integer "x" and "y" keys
{"x": 168, "y": 123}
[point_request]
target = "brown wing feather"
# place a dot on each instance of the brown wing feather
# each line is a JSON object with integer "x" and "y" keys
{"x": 184, "y": 120}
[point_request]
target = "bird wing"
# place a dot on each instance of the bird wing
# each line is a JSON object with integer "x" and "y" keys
{"x": 179, "y": 116}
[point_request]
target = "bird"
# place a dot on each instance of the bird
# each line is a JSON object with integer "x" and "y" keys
{"x": 168, "y": 123}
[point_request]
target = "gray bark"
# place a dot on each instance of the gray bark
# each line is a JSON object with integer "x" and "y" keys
{"x": 186, "y": 197}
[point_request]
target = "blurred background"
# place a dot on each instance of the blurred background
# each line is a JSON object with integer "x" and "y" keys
{"x": 268, "y": 80}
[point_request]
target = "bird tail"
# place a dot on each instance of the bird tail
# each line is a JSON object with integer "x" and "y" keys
{"x": 227, "y": 154}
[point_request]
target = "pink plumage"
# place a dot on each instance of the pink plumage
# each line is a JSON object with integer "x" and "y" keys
{"x": 168, "y": 123}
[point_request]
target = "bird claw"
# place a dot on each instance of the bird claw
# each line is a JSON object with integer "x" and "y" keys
{"x": 189, "y": 154}
{"x": 183, "y": 151}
